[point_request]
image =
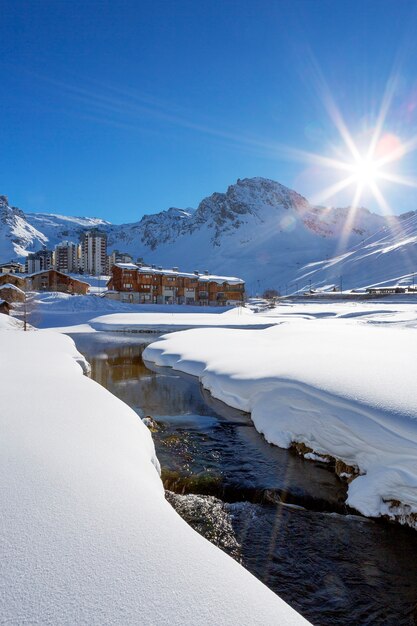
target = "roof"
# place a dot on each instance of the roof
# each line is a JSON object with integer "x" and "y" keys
{"x": 126, "y": 266}
{"x": 57, "y": 272}
{"x": 10, "y": 286}
{"x": 146, "y": 269}
{"x": 381, "y": 288}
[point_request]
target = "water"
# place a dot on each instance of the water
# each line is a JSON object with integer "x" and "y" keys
{"x": 282, "y": 517}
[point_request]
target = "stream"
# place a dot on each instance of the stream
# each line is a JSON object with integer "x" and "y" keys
{"x": 282, "y": 517}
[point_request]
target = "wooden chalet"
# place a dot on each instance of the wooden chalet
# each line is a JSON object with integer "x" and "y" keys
{"x": 11, "y": 293}
{"x": 12, "y": 279}
{"x": 5, "y": 307}
{"x": 52, "y": 280}
{"x": 143, "y": 284}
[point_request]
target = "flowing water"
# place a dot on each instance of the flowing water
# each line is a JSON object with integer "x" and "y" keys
{"x": 282, "y": 517}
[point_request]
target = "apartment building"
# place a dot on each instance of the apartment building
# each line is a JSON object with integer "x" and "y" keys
{"x": 39, "y": 261}
{"x": 143, "y": 284}
{"x": 67, "y": 257}
{"x": 94, "y": 252}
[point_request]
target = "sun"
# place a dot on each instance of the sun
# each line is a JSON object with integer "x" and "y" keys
{"x": 366, "y": 171}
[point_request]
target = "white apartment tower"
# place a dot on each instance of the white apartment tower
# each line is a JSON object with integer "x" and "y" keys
{"x": 94, "y": 252}
{"x": 67, "y": 257}
{"x": 39, "y": 261}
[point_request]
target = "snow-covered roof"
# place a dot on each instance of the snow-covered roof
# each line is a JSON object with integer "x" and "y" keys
{"x": 126, "y": 266}
{"x": 146, "y": 269}
{"x": 384, "y": 287}
{"x": 60, "y": 273}
{"x": 10, "y": 286}
{"x": 212, "y": 278}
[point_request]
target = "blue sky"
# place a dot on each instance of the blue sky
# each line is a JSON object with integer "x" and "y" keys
{"x": 117, "y": 109}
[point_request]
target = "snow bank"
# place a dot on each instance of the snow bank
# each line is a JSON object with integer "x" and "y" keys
{"x": 7, "y": 322}
{"x": 165, "y": 321}
{"x": 343, "y": 388}
{"x": 87, "y": 536}
{"x": 71, "y": 313}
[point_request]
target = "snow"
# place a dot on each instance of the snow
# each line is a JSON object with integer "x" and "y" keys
{"x": 73, "y": 313}
{"x": 87, "y": 536}
{"x": 338, "y": 377}
{"x": 7, "y": 322}
{"x": 165, "y": 321}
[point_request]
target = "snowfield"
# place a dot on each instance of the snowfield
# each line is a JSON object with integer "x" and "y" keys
{"x": 163, "y": 320}
{"x": 67, "y": 313}
{"x": 87, "y": 536}
{"x": 338, "y": 377}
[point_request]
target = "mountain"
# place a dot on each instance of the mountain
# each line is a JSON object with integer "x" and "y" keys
{"x": 258, "y": 229}
{"x": 387, "y": 256}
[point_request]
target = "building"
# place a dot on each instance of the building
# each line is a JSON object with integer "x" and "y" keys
{"x": 52, "y": 280}
{"x": 18, "y": 281}
{"x": 5, "y": 307}
{"x": 67, "y": 257}
{"x": 38, "y": 261}
{"x": 118, "y": 257}
{"x": 11, "y": 293}
{"x": 386, "y": 290}
{"x": 94, "y": 252}
{"x": 144, "y": 284}
{"x": 13, "y": 267}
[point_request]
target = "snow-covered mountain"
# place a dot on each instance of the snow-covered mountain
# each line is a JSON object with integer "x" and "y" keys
{"x": 387, "y": 256}
{"x": 258, "y": 229}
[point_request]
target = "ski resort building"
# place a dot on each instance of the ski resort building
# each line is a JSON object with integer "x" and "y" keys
{"x": 38, "y": 261}
{"x": 67, "y": 257}
{"x": 143, "y": 284}
{"x": 13, "y": 267}
{"x": 52, "y": 280}
{"x": 94, "y": 252}
{"x": 118, "y": 257}
{"x": 10, "y": 293}
{"x": 5, "y": 307}
{"x": 18, "y": 281}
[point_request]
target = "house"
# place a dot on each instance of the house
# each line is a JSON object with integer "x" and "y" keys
{"x": 5, "y": 307}
{"x": 12, "y": 279}
{"x": 13, "y": 267}
{"x": 11, "y": 293}
{"x": 52, "y": 280}
{"x": 150, "y": 284}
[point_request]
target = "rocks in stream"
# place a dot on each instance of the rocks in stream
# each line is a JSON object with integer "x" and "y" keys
{"x": 341, "y": 469}
{"x": 210, "y": 518}
{"x": 151, "y": 423}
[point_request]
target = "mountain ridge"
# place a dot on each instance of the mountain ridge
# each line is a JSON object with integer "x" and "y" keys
{"x": 258, "y": 229}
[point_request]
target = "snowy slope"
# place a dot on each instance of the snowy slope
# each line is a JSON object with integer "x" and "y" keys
{"x": 388, "y": 256}
{"x": 258, "y": 229}
{"x": 21, "y": 232}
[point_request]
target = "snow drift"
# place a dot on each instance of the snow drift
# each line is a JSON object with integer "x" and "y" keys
{"x": 87, "y": 536}
{"x": 343, "y": 387}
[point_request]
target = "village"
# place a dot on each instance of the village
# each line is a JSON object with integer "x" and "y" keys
{"x": 73, "y": 268}
{"x": 62, "y": 270}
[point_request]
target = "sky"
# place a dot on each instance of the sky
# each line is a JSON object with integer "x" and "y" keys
{"x": 120, "y": 108}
